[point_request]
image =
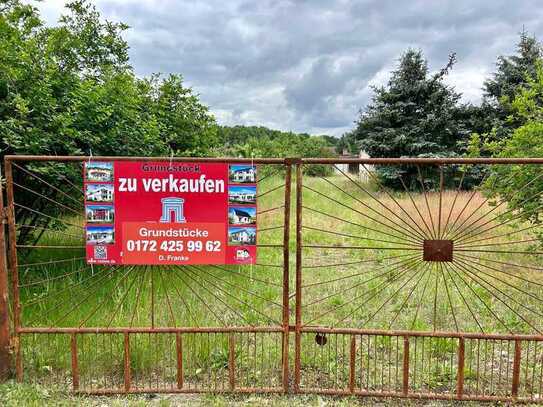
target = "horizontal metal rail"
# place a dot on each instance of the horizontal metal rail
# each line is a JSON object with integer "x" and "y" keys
{"x": 82, "y": 158}
{"x": 434, "y": 161}
{"x": 428, "y": 334}
{"x": 150, "y": 330}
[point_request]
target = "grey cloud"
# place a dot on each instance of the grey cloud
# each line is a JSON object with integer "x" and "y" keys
{"x": 306, "y": 65}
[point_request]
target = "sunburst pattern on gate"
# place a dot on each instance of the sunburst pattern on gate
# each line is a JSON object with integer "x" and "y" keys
{"x": 217, "y": 328}
{"x": 451, "y": 248}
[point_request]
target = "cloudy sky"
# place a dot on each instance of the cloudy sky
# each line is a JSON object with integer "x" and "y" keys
{"x": 307, "y": 65}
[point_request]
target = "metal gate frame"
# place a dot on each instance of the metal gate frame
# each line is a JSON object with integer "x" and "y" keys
{"x": 406, "y": 336}
{"x": 11, "y": 344}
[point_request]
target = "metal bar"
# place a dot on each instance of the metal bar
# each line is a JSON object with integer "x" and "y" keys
{"x": 428, "y": 334}
{"x": 286, "y": 278}
{"x": 411, "y": 230}
{"x": 28, "y": 246}
{"x": 434, "y": 161}
{"x": 13, "y": 269}
{"x": 417, "y": 229}
{"x": 136, "y": 330}
{"x": 320, "y": 391}
{"x": 420, "y": 245}
{"x": 232, "y": 361}
{"x": 278, "y": 329}
{"x": 446, "y": 223}
{"x": 161, "y": 390}
{"x": 516, "y": 370}
{"x": 75, "y": 366}
{"x": 405, "y": 367}
{"x": 371, "y": 161}
{"x": 51, "y": 262}
{"x": 413, "y": 395}
{"x": 463, "y": 298}
{"x": 45, "y": 182}
{"x": 127, "y": 375}
{"x": 81, "y": 158}
{"x": 352, "y": 364}
{"x": 76, "y": 212}
{"x": 421, "y": 179}
{"x": 298, "y": 333}
{"x": 407, "y": 235}
{"x": 226, "y": 294}
{"x": 324, "y": 246}
{"x": 5, "y": 356}
{"x": 441, "y": 183}
{"x": 179, "y": 354}
{"x": 460, "y": 372}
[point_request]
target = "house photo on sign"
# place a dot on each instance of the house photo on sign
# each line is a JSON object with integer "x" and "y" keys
{"x": 170, "y": 213}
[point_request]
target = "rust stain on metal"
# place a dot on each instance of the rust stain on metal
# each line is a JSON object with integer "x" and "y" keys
{"x": 438, "y": 250}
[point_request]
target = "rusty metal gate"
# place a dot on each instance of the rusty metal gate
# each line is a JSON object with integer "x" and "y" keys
{"x": 414, "y": 278}
{"x": 134, "y": 329}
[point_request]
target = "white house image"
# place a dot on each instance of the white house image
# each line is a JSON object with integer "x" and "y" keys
{"x": 99, "y": 171}
{"x": 99, "y": 174}
{"x": 242, "y": 174}
{"x": 99, "y": 213}
{"x": 242, "y": 195}
{"x": 241, "y": 216}
{"x": 242, "y": 236}
{"x": 99, "y": 193}
{"x": 99, "y": 235}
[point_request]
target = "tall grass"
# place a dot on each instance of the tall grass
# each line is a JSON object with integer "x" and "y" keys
{"x": 356, "y": 293}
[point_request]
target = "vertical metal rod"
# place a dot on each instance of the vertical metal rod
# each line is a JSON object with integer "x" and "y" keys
{"x": 516, "y": 369}
{"x": 127, "y": 374}
{"x": 286, "y": 275}
{"x": 460, "y": 372}
{"x": 405, "y": 385}
{"x": 179, "y": 352}
{"x": 5, "y": 356}
{"x": 231, "y": 361}
{"x": 13, "y": 269}
{"x": 298, "y": 332}
{"x": 352, "y": 364}
{"x": 75, "y": 365}
{"x": 441, "y": 183}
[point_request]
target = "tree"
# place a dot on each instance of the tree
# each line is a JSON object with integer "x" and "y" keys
{"x": 520, "y": 186}
{"x": 496, "y": 121}
{"x": 252, "y": 141}
{"x": 414, "y": 115}
{"x": 512, "y": 71}
{"x": 70, "y": 90}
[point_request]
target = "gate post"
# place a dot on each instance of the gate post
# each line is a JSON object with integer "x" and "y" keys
{"x": 298, "y": 328}
{"x": 286, "y": 275}
{"x": 5, "y": 356}
{"x": 12, "y": 255}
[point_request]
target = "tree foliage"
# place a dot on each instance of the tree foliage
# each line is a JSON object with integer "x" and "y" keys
{"x": 70, "y": 90}
{"x": 415, "y": 115}
{"x": 520, "y": 186}
{"x": 495, "y": 120}
{"x": 252, "y": 141}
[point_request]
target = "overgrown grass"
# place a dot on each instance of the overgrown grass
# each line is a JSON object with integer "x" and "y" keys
{"x": 367, "y": 286}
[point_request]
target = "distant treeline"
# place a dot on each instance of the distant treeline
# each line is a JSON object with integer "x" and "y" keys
{"x": 258, "y": 141}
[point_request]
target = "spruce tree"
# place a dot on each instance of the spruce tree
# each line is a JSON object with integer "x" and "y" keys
{"x": 415, "y": 115}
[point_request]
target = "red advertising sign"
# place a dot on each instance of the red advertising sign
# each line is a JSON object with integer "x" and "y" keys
{"x": 170, "y": 213}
